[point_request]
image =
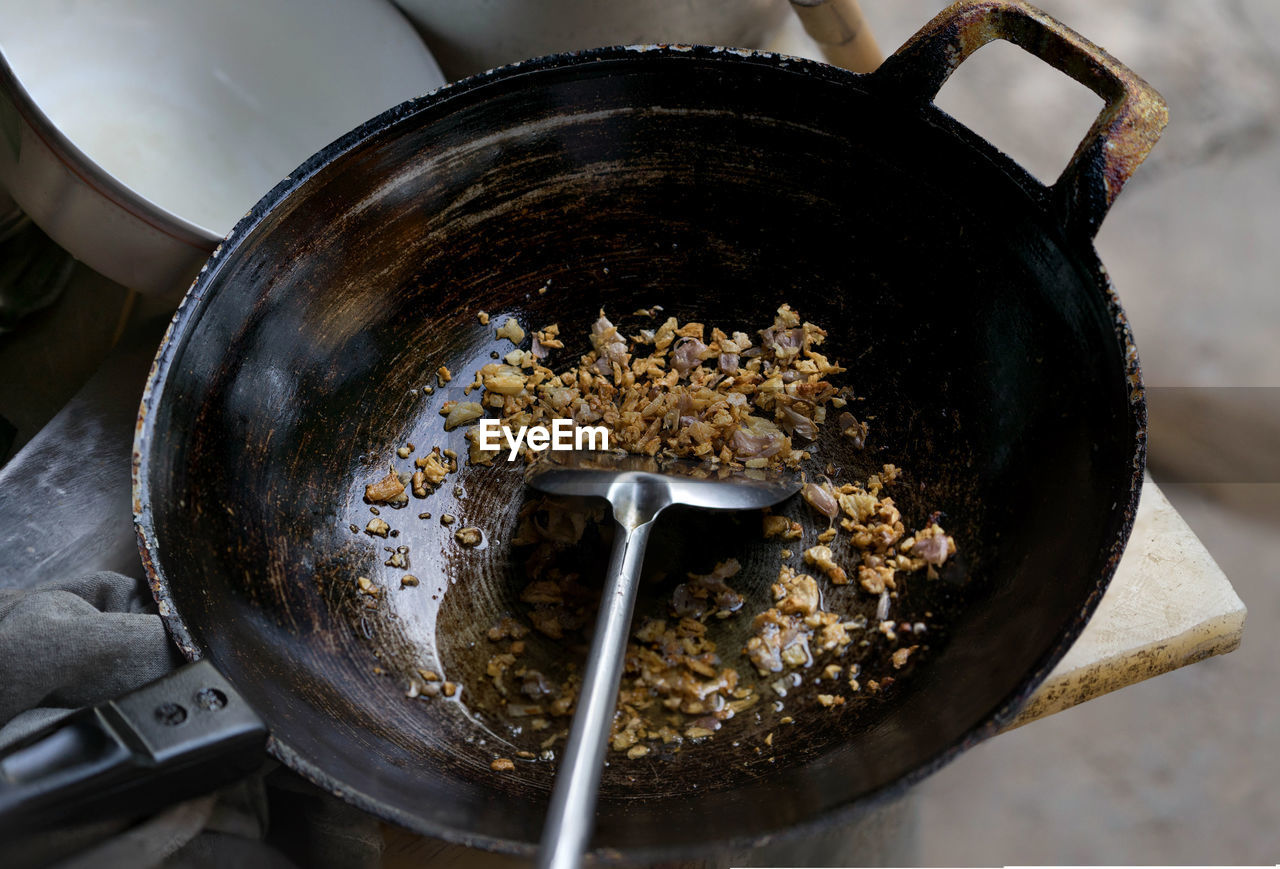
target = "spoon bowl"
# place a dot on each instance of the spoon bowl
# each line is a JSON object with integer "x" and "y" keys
{"x": 622, "y": 478}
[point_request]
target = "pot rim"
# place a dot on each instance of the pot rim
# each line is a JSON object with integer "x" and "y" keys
{"x": 92, "y": 174}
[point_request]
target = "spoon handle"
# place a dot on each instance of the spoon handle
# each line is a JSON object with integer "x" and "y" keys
{"x": 571, "y": 816}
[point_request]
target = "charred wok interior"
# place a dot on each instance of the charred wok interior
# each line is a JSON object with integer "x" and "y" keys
{"x": 984, "y": 341}
{"x": 758, "y": 410}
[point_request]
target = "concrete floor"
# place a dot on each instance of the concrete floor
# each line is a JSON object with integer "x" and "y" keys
{"x": 1176, "y": 770}
{"x": 1183, "y": 768}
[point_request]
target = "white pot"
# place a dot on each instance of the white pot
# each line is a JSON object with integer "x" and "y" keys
{"x": 136, "y": 132}
{"x": 469, "y": 36}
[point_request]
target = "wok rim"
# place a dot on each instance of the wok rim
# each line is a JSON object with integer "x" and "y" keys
{"x": 185, "y": 323}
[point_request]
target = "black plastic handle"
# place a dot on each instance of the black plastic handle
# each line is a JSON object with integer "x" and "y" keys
{"x": 184, "y": 734}
{"x": 1131, "y": 121}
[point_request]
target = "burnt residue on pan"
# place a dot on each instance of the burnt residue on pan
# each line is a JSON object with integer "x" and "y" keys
{"x": 978, "y": 326}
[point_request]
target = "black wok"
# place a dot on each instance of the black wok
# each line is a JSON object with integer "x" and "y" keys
{"x": 964, "y": 297}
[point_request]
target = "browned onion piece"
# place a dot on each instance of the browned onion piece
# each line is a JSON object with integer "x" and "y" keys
{"x": 608, "y": 343}
{"x": 933, "y": 550}
{"x": 759, "y": 438}
{"x": 821, "y": 499}
{"x": 798, "y": 423}
{"x": 687, "y": 354}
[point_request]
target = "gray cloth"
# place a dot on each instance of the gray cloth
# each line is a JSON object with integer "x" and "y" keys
{"x": 76, "y": 643}
{"x": 78, "y": 627}
{"x": 85, "y": 640}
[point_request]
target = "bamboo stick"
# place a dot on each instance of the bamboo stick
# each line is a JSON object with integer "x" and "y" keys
{"x": 841, "y": 31}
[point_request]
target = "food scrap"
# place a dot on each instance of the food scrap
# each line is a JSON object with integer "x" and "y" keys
{"x": 682, "y": 390}
{"x": 469, "y": 536}
{"x": 678, "y": 390}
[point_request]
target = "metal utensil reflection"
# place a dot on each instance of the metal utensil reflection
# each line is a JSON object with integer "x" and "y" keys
{"x": 638, "y": 488}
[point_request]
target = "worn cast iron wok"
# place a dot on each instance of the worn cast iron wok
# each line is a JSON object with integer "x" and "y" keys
{"x": 965, "y": 298}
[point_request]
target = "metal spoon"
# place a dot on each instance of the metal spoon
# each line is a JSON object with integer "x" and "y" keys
{"x": 638, "y": 488}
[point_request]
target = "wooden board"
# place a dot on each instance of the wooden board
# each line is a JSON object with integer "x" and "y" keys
{"x": 1168, "y": 605}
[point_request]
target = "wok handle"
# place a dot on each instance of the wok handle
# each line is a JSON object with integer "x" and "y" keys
{"x": 182, "y": 735}
{"x": 1127, "y": 128}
